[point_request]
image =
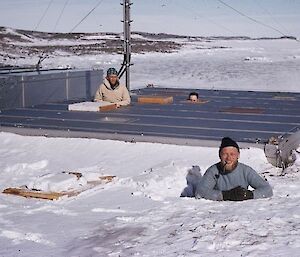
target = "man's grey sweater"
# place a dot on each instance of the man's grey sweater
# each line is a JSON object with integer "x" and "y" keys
{"x": 215, "y": 181}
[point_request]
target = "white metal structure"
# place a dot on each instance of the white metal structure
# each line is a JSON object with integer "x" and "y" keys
{"x": 279, "y": 150}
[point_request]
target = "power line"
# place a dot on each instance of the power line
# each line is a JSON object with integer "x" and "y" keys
{"x": 44, "y": 14}
{"x": 86, "y": 15}
{"x": 271, "y": 15}
{"x": 276, "y": 21}
{"x": 250, "y": 18}
{"x": 60, "y": 15}
{"x": 201, "y": 15}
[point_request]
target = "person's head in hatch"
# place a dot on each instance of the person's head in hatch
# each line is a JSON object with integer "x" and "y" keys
{"x": 112, "y": 77}
{"x": 193, "y": 97}
{"x": 229, "y": 153}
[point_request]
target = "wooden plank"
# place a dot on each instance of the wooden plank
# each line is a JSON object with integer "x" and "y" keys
{"x": 30, "y": 193}
{"x": 155, "y": 99}
{"x": 108, "y": 178}
{"x": 106, "y": 108}
{"x": 287, "y": 98}
{"x": 243, "y": 110}
{"x": 102, "y": 179}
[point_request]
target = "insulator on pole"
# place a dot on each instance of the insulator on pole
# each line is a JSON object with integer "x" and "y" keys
{"x": 127, "y": 40}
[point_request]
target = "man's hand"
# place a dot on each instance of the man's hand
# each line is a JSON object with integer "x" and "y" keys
{"x": 237, "y": 194}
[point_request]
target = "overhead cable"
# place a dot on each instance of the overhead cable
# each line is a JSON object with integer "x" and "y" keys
{"x": 44, "y": 14}
{"x": 210, "y": 20}
{"x": 272, "y": 17}
{"x": 86, "y": 15}
{"x": 250, "y": 18}
{"x": 60, "y": 15}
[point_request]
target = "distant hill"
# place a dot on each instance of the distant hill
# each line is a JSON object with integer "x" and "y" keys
{"x": 17, "y": 43}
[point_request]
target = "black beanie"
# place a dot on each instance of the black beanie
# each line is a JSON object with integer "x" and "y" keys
{"x": 111, "y": 71}
{"x": 227, "y": 141}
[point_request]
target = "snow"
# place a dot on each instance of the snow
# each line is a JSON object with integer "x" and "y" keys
{"x": 245, "y": 64}
{"x": 57, "y": 183}
{"x": 88, "y": 106}
{"x": 224, "y": 68}
{"x": 140, "y": 213}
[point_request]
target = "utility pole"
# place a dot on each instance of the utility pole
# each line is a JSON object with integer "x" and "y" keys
{"x": 127, "y": 40}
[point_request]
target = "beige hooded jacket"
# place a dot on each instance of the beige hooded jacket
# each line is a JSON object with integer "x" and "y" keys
{"x": 119, "y": 95}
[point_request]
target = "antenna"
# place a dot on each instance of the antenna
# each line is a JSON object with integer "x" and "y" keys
{"x": 127, "y": 41}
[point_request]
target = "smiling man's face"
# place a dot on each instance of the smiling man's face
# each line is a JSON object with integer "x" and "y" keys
{"x": 229, "y": 157}
{"x": 112, "y": 79}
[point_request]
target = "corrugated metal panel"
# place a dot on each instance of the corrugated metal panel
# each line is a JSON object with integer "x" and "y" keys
{"x": 32, "y": 88}
{"x": 253, "y": 119}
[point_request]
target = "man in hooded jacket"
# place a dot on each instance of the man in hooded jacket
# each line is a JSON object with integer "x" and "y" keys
{"x": 112, "y": 91}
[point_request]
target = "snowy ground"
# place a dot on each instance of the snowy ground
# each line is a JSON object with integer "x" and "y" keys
{"x": 272, "y": 65}
{"x": 140, "y": 213}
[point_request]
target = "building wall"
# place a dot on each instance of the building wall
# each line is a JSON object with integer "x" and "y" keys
{"x": 32, "y": 88}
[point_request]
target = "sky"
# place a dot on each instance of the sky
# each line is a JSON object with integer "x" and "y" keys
{"x": 188, "y": 17}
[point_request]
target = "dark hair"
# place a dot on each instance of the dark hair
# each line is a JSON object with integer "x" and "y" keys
{"x": 194, "y": 93}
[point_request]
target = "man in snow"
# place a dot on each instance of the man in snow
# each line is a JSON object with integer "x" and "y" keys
{"x": 229, "y": 180}
{"x": 112, "y": 91}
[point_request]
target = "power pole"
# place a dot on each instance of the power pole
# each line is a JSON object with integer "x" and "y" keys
{"x": 127, "y": 40}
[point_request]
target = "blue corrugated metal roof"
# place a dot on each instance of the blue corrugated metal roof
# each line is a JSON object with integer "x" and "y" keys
{"x": 249, "y": 117}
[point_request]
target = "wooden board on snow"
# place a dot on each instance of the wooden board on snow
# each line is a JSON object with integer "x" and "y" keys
{"x": 31, "y": 193}
{"x": 92, "y": 106}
